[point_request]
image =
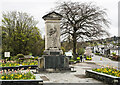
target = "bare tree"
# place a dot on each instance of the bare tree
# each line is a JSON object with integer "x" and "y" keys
{"x": 82, "y": 21}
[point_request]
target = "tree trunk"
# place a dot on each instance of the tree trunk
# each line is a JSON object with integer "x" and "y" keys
{"x": 74, "y": 46}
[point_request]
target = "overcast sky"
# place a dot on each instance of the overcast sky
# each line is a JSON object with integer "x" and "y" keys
{"x": 39, "y": 8}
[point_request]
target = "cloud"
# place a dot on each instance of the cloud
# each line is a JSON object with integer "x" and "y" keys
{"x": 119, "y": 19}
{"x": 38, "y": 8}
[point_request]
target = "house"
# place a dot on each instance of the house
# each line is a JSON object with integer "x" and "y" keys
{"x": 88, "y": 51}
{"x": 115, "y": 50}
{"x": 99, "y": 49}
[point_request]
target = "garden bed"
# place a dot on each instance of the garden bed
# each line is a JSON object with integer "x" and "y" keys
{"x": 113, "y": 80}
{"x": 18, "y": 77}
{"x": 14, "y": 63}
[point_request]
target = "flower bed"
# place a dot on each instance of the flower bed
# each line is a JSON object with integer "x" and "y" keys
{"x": 13, "y": 64}
{"x": 15, "y": 75}
{"x": 18, "y": 77}
{"x": 109, "y": 71}
{"x": 107, "y": 75}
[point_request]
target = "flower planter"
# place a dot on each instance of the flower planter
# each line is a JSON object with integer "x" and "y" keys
{"x": 37, "y": 81}
{"x": 103, "y": 77}
{"x": 16, "y": 67}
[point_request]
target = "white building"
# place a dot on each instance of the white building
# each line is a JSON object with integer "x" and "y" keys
{"x": 99, "y": 49}
{"x": 115, "y": 50}
{"x": 88, "y": 51}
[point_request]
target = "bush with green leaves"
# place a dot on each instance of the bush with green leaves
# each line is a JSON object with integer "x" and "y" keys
{"x": 81, "y": 51}
{"x": 20, "y": 56}
{"x": 13, "y": 58}
{"x": 78, "y": 58}
{"x": 97, "y": 53}
{"x": 114, "y": 54}
{"x": 88, "y": 58}
{"x": 36, "y": 58}
{"x": 20, "y": 34}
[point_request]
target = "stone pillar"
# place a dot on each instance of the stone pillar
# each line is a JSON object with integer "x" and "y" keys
{"x": 52, "y": 36}
{"x": 53, "y": 56}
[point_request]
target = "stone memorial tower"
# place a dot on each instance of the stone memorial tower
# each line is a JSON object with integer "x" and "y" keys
{"x": 53, "y": 57}
{"x": 52, "y": 36}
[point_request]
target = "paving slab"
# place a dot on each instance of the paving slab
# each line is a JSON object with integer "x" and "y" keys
{"x": 70, "y": 77}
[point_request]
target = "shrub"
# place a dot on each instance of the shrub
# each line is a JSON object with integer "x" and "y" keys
{"x": 13, "y": 58}
{"x": 78, "y": 58}
{"x": 99, "y": 54}
{"x": 88, "y": 58}
{"x": 30, "y": 53}
{"x": 96, "y": 53}
{"x": 81, "y": 51}
{"x": 71, "y": 60}
{"x": 36, "y": 58}
{"x": 114, "y": 54}
{"x": 20, "y": 56}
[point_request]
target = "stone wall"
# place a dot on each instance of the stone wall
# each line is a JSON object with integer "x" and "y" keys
{"x": 111, "y": 80}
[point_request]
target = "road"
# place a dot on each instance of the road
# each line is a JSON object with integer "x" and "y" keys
{"x": 99, "y": 60}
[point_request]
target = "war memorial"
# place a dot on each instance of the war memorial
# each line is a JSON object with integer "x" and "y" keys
{"x": 53, "y": 57}
{"x": 36, "y": 55}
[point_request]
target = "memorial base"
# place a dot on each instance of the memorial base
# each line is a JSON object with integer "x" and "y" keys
{"x": 54, "y": 61}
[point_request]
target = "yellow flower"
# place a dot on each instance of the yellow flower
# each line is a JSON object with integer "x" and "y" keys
{"x": 98, "y": 69}
{"x": 6, "y": 77}
{"x": 20, "y": 76}
{"x": 112, "y": 71}
{"x": 2, "y": 77}
{"x": 16, "y": 77}
{"x": 9, "y": 64}
{"x": 12, "y": 75}
{"x": 109, "y": 70}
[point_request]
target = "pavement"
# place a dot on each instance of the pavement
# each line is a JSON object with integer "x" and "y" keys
{"x": 72, "y": 77}
{"x": 79, "y": 75}
{"x": 69, "y": 77}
